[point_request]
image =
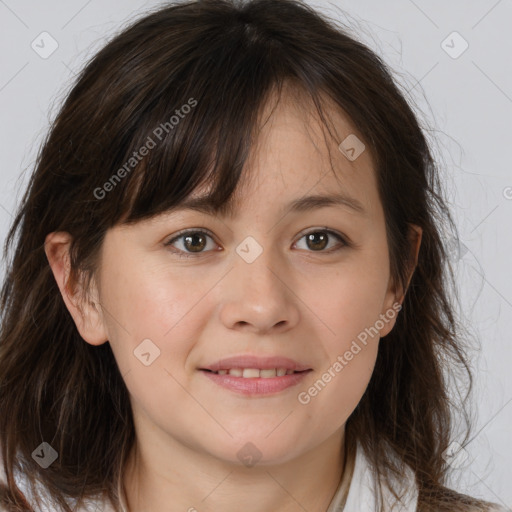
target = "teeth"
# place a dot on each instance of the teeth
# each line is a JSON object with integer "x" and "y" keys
{"x": 252, "y": 373}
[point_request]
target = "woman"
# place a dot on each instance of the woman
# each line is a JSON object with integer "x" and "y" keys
{"x": 229, "y": 282}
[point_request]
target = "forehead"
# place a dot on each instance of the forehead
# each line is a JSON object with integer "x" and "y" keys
{"x": 300, "y": 163}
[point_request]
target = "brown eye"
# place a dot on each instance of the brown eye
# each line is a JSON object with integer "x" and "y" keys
{"x": 195, "y": 242}
{"x": 317, "y": 241}
{"x": 191, "y": 242}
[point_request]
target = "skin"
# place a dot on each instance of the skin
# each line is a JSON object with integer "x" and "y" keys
{"x": 297, "y": 300}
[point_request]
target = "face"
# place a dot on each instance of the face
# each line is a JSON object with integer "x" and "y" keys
{"x": 309, "y": 284}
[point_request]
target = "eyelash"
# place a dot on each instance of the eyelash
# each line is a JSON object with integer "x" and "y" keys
{"x": 203, "y": 231}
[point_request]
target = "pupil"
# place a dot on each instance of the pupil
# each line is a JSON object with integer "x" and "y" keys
{"x": 194, "y": 247}
{"x": 315, "y": 241}
{"x": 313, "y": 236}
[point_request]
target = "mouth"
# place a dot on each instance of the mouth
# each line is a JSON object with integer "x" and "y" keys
{"x": 254, "y": 373}
{"x": 251, "y": 364}
{"x": 255, "y": 382}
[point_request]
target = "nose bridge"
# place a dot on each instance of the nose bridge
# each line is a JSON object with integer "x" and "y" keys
{"x": 257, "y": 292}
{"x": 256, "y": 265}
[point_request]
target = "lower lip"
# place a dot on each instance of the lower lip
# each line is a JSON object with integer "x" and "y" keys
{"x": 257, "y": 385}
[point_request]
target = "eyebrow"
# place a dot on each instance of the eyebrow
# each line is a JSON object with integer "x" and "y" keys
{"x": 304, "y": 204}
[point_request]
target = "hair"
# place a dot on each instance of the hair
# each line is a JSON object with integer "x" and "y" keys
{"x": 223, "y": 59}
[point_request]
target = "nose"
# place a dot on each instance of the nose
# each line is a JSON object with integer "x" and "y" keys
{"x": 257, "y": 298}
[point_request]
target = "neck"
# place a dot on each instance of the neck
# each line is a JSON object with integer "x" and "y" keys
{"x": 197, "y": 482}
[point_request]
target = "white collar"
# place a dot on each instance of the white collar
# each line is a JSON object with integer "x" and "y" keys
{"x": 362, "y": 494}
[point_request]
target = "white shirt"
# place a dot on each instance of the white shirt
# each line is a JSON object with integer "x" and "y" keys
{"x": 361, "y": 497}
{"x": 362, "y": 493}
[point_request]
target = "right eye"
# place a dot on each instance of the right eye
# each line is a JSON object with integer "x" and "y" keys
{"x": 193, "y": 242}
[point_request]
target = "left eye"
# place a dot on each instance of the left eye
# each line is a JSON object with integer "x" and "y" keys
{"x": 319, "y": 239}
{"x": 194, "y": 242}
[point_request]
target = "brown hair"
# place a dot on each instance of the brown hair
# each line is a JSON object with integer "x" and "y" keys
{"x": 222, "y": 58}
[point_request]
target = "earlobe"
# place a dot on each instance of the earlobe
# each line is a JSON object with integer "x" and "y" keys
{"x": 85, "y": 313}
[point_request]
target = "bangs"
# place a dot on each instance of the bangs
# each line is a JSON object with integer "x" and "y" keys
{"x": 200, "y": 134}
{"x": 195, "y": 119}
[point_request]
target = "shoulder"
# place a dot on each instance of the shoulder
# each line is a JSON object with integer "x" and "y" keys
{"x": 493, "y": 507}
{"x": 462, "y": 507}
{"x": 47, "y": 505}
{"x": 364, "y": 491}
{"x": 449, "y": 500}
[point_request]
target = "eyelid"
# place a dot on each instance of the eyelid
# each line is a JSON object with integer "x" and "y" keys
{"x": 340, "y": 237}
{"x": 190, "y": 230}
{"x": 344, "y": 240}
{"x": 187, "y": 231}
{"x": 325, "y": 229}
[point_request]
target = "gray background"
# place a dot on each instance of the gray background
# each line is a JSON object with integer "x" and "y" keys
{"x": 463, "y": 98}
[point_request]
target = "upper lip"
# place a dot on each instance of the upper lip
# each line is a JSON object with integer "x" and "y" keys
{"x": 259, "y": 362}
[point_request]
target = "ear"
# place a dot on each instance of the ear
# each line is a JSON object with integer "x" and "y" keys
{"x": 415, "y": 235}
{"x": 396, "y": 294}
{"x": 86, "y": 313}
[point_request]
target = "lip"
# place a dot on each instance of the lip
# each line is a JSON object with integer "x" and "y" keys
{"x": 262, "y": 363}
{"x": 258, "y": 385}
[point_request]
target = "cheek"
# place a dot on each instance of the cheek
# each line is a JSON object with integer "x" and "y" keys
{"x": 340, "y": 383}
{"x": 144, "y": 303}
{"x": 349, "y": 305}
{"x": 336, "y": 390}
{"x": 151, "y": 335}
{"x": 348, "y": 301}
